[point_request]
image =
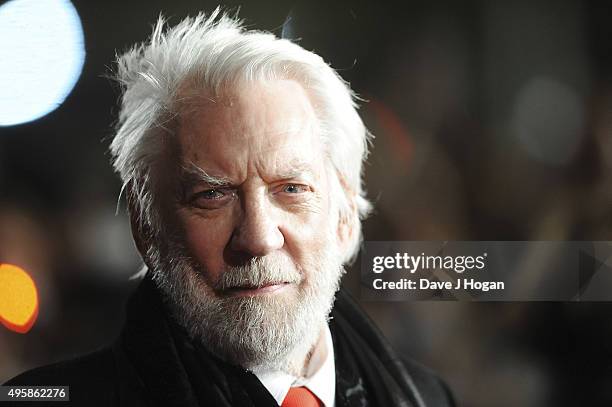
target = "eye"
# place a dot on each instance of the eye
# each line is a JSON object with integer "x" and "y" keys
{"x": 295, "y": 188}
{"x": 213, "y": 198}
{"x": 210, "y": 194}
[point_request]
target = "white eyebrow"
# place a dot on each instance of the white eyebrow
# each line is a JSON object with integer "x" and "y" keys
{"x": 193, "y": 174}
{"x": 296, "y": 170}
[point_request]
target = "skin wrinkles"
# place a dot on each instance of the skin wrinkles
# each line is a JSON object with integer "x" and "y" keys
{"x": 265, "y": 149}
{"x": 197, "y": 182}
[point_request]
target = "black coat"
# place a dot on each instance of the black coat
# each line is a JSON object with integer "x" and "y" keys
{"x": 153, "y": 363}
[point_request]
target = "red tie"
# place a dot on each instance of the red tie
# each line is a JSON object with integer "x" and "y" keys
{"x": 301, "y": 397}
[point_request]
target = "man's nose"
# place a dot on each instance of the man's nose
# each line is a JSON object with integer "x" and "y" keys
{"x": 257, "y": 233}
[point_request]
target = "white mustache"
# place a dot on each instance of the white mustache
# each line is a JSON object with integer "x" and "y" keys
{"x": 259, "y": 272}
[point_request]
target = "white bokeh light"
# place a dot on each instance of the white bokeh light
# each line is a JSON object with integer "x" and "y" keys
{"x": 42, "y": 54}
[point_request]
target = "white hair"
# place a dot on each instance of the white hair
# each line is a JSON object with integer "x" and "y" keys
{"x": 215, "y": 52}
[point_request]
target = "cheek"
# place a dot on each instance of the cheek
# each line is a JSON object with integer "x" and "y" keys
{"x": 308, "y": 234}
{"x": 206, "y": 240}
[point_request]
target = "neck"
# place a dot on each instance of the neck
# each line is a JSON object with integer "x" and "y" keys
{"x": 297, "y": 361}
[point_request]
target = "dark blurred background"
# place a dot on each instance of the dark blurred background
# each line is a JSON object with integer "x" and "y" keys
{"x": 493, "y": 121}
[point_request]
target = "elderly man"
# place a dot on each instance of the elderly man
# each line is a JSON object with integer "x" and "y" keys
{"x": 241, "y": 156}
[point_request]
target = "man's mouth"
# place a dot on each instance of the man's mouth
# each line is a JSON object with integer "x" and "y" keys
{"x": 251, "y": 290}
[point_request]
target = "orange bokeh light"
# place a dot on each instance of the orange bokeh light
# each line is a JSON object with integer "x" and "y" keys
{"x": 18, "y": 299}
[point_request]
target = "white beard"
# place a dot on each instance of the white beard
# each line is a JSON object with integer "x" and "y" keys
{"x": 264, "y": 332}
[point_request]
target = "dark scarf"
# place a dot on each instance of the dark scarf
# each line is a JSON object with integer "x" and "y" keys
{"x": 177, "y": 372}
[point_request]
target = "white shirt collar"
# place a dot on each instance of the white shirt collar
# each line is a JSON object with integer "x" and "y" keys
{"x": 320, "y": 377}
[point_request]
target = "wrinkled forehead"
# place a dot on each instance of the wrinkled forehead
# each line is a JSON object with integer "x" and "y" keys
{"x": 272, "y": 121}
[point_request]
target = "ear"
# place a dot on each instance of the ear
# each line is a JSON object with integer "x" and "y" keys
{"x": 346, "y": 229}
{"x": 347, "y": 221}
{"x": 140, "y": 231}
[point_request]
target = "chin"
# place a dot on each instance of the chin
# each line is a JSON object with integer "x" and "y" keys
{"x": 261, "y": 324}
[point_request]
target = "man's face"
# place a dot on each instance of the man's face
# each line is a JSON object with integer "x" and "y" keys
{"x": 269, "y": 194}
{"x": 256, "y": 263}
